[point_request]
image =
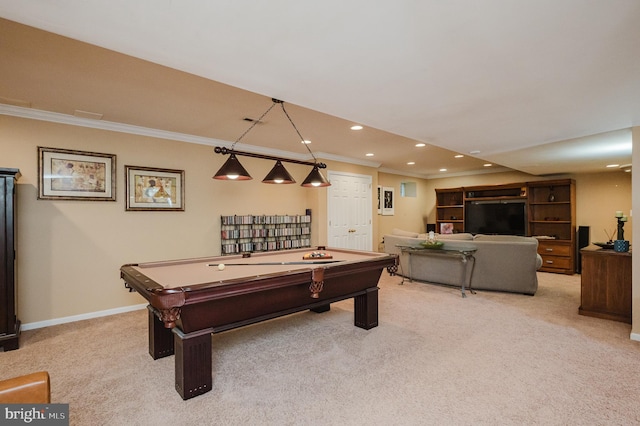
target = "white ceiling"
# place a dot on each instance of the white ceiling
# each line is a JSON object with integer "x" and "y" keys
{"x": 533, "y": 85}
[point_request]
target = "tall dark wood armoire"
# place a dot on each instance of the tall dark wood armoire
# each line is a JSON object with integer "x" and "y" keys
{"x": 9, "y": 323}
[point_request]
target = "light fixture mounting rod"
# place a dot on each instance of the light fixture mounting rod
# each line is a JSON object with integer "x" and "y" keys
{"x": 225, "y": 151}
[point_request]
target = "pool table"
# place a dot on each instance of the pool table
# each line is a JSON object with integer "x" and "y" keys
{"x": 190, "y": 299}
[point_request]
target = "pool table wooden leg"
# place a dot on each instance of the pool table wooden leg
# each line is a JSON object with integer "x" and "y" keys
{"x": 321, "y": 309}
{"x": 366, "y": 309}
{"x": 160, "y": 337}
{"x": 193, "y": 362}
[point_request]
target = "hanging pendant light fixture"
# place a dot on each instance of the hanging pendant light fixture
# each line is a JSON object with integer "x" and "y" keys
{"x": 315, "y": 179}
{"x": 233, "y": 170}
{"x": 278, "y": 175}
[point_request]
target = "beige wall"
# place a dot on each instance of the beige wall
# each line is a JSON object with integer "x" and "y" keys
{"x": 70, "y": 252}
{"x": 409, "y": 212}
{"x": 598, "y": 196}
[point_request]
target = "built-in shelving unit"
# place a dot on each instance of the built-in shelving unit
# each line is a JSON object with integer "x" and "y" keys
{"x": 255, "y": 233}
{"x": 450, "y": 209}
{"x": 550, "y": 215}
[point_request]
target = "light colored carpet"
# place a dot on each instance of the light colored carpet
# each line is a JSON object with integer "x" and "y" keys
{"x": 436, "y": 358}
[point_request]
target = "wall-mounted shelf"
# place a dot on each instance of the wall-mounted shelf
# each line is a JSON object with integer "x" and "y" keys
{"x": 254, "y": 233}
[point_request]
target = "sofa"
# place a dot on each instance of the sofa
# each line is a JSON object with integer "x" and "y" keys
{"x": 502, "y": 262}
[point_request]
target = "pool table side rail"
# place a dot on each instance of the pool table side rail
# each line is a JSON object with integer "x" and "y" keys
{"x": 150, "y": 289}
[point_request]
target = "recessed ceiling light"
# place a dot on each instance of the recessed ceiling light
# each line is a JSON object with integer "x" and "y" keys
{"x": 488, "y": 165}
{"x": 305, "y": 142}
{"x": 411, "y": 163}
{"x": 369, "y": 154}
{"x": 474, "y": 152}
{"x": 420, "y": 145}
{"x": 458, "y": 156}
{"x": 443, "y": 170}
{"x": 613, "y": 165}
{"x": 356, "y": 127}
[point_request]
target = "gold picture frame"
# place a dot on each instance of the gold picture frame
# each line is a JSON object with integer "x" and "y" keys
{"x": 65, "y": 174}
{"x": 154, "y": 189}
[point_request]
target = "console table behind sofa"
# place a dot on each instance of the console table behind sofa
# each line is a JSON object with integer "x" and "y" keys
{"x": 502, "y": 263}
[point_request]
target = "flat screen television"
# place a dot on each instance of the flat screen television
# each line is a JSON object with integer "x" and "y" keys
{"x": 496, "y": 217}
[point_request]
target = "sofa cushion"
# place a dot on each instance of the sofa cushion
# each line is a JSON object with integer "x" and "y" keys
{"x": 401, "y": 233}
{"x": 459, "y": 236}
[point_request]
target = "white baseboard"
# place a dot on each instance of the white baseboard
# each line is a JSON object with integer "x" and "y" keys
{"x": 635, "y": 336}
{"x": 64, "y": 320}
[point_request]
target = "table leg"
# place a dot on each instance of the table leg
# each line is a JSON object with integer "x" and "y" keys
{"x": 366, "y": 309}
{"x": 193, "y": 362}
{"x": 321, "y": 309}
{"x": 160, "y": 337}
{"x": 465, "y": 275}
{"x": 409, "y": 265}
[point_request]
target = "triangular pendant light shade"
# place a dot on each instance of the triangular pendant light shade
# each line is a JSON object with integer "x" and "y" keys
{"x": 232, "y": 170}
{"x": 315, "y": 179}
{"x": 278, "y": 175}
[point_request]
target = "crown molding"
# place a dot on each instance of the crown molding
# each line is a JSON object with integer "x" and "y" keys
{"x": 349, "y": 160}
{"x": 72, "y": 120}
{"x": 445, "y": 175}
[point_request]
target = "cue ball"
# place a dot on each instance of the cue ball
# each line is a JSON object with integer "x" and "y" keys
{"x": 221, "y": 267}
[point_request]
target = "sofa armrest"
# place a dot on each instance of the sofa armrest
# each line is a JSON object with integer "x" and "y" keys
{"x": 32, "y": 388}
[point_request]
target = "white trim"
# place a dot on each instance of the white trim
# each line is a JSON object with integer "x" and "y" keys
{"x": 635, "y": 336}
{"x": 72, "y": 120}
{"x": 81, "y": 317}
{"x": 349, "y": 160}
{"x": 485, "y": 170}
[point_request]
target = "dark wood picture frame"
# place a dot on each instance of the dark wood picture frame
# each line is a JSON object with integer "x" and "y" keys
{"x": 66, "y": 174}
{"x": 154, "y": 189}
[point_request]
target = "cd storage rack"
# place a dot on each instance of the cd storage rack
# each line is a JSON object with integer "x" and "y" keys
{"x": 255, "y": 233}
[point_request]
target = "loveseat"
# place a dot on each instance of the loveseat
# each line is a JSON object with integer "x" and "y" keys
{"x": 502, "y": 262}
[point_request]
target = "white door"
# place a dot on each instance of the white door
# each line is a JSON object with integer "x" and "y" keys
{"x": 349, "y": 211}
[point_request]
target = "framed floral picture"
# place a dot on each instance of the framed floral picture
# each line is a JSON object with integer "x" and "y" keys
{"x": 65, "y": 174}
{"x": 150, "y": 188}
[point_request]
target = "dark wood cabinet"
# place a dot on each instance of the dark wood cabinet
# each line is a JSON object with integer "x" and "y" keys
{"x": 606, "y": 284}
{"x": 9, "y": 323}
{"x": 552, "y": 219}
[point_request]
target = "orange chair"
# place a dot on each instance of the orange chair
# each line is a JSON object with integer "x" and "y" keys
{"x": 32, "y": 388}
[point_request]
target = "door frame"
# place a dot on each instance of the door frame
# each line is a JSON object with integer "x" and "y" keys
{"x": 331, "y": 173}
